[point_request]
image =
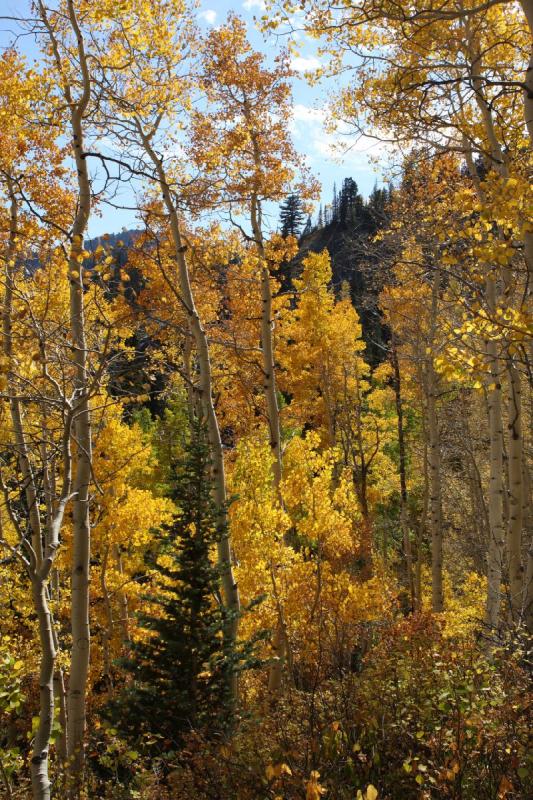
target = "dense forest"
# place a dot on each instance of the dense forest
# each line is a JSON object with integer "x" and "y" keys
{"x": 266, "y": 527}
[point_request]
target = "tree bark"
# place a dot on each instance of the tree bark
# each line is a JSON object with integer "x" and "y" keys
{"x": 496, "y": 531}
{"x": 434, "y": 462}
{"x": 516, "y": 500}
{"x": 80, "y": 570}
{"x": 407, "y": 550}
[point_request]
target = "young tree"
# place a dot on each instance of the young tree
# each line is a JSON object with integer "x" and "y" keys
{"x": 177, "y": 674}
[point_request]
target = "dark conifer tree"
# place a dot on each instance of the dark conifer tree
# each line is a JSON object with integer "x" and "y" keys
{"x": 350, "y": 202}
{"x": 179, "y": 675}
{"x": 291, "y": 216}
{"x": 335, "y": 205}
{"x": 308, "y": 226}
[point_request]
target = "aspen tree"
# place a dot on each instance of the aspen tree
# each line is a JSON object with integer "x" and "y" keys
{"x": 81, "y": 481}
{"x": 406, "y": 535}
{"x": 410, "y": 96}
{"x": 434, "y": 462}
{"x": 148, "y": 107}
{"x": 246, "y": 124}
{"x": 38, "y": 560}
{"x": 24, "y": 177}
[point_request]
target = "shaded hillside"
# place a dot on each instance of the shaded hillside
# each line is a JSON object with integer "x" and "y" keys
{"x": 346, "y": 228}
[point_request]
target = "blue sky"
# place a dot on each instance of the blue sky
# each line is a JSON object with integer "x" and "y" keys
{"x": 320, "y": 148}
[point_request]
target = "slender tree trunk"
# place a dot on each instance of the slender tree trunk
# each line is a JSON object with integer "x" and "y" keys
{"x": 435, "y": 498}
{"x": 267, "y": 347}
{"x": 80, "y": 572}
{"x": 21, "y": 448}
{"x": 60, "y": 694}
{"x": 123, "y": 600}
{"x": 107, "y": 633}
{"x": 407, "y": 551}
{"x": 189, "y": 387}
{"x": 528, "y": 590}
{"x": 41, "y": 745}
{"x": 229, "y": 585}
{"x": 496, "y": 532}
{"x": 434, "y": 462}
{"x": 279, "y": 644}
{"x": 39, "y": 760}
{"x": 80, "y": 568}
{"x": 516, "y": 500}
{"x": 527, "y": 6}
{"x": 495, "y": 554}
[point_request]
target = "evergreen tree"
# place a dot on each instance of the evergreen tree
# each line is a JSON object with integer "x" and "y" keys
{"x": 291, "y": 216}
{"x": 350, "y": 202}
{"x": 180, "y": 673}
{"x": 308, "y": 226}
{"x": 335, "y": 205}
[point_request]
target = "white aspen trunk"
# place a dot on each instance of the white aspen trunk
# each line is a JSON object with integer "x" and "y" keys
{"x": 516, "y": 499}
{"x": 279, "y": 643}
{"x": 60, "y": 694}
{"x": 496, "y": 544}
{"x": 528, "y": 590}
{"x": 107, "y": 633}
{"x": 527, "y": 6}
{"x": 41, "y": 786}
{"x": 187, "y": 369}
{"x": 80, "y": 567}
{"x": 267, "y": 344}
{"x": 267, "y": 322}
{"x": 407, "y": 550}
{"x": 435, "y": 495}
{"x": 21, "y": 447}
{"x": 434, "y": 462}
{"x": 269, "y": 374}
{"x": 123, "y": 601}
{"x": 39, "y": 761}
{"x": 496, "y": 531}
{"x": 229, "y": 585}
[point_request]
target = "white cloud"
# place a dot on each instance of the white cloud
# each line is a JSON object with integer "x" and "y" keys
{"x": 249, "y": 5}
{"x": 303, "y": 113}
{"x": 209, "y": 15}
{"x": 339, "y": 147}
{"x": 303, "y": 64}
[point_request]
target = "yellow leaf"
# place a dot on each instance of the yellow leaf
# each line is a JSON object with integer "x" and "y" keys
{"x": 371, "y": 792}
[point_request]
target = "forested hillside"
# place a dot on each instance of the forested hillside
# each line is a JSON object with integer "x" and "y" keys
{"x": 266, "y": 529}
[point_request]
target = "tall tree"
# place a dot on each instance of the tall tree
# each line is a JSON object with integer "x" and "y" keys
{"x": 177, "y": 674}
{"x": 291, "y": 216}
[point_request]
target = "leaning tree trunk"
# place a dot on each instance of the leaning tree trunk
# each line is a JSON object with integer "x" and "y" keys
{"x": 229, "y": 585}
{"x": 41, "y": 744}
{"x": 279, "y": 642}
